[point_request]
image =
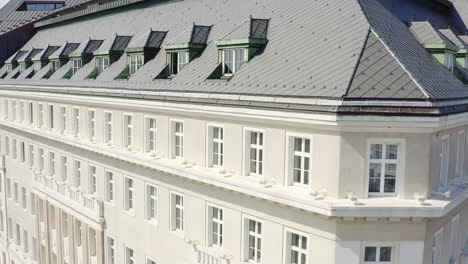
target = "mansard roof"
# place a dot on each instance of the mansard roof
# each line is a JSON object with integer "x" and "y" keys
{"x": 331, "y": 49}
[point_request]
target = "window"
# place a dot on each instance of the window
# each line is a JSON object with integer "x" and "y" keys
{"x": 110, "y": 251}
{"x": 54, "y": 66}
{"x": 6, "y": 108}
{"x": 151, "y": 203}
{"x": 374, "y": 255}
{"x": 453, "y": 249}
{"x": 301, "y": 160}
{"x": 18, "y": 234}
{"x": 78, "y": 233}
{"x": 460, "y": 154}
{"x": 297, "y": 248}
{"x": 22, "y": 152}
{"x": 233, "y": 60}
{"x": 449, "y": 61}
{"x": 13, "y": 110}
{"x": 102, "y": 63}
{"x": 128, "y": 131}
{"x": 32, "y": 198}
{"x": 150, "y": 261}
{"x": 178, "y": 140}
{"x": 177, "y": 212}
{"x": 77, "y": 178}
{"x": 444, "y": 160}
{"x": 22, "y": 67}
{"x": 24, "y": 200}
{"x": 217, "y": 146}
{"x": 254, "y": 241}
{"x": 76, "y": 121}
{"x": 383, "y": 167}
{"x": 108, "y": 127}
{"x": 31, "y": 113}
{"x": 40, "y": 115}
{"x": 151, "y": 134}
{"x": 64, "y": 224}
{"x": 14, "y": 151}
{"x": 41, "y": 159}
{"x": 255, "y": 153}
{"x": 9, "y": 68}
{"x": 216, "y": 226}
{"x": 31, "y": 155}
{"x": 51, "y": 163}
{"x": 109, "y": 186}
{"x": 51, "y": 116}
{"x": 64, "y": 168}
{"x": 437, "y": 241}
{"x": 92, "y": 179}
{"x": 63, "y": 119}
{"x": 92, "y": 124}
{"x": 178, "y": 61}
{"x": 8, "y": 187}
{"x": 43, "y": 6}
{"x": 21, "y": 111}
{"x": 129, "y": 256}
{"x": 15, "y": 192}
{"x": 75, "y": 65}
{"x": 129, "y": 194}
{"x": 134, "y": 63}
{"x": 7, "y": 145}
{"x": 2, "y": 224}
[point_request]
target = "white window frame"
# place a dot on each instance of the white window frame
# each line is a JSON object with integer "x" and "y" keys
{"x": 102, "y": 63}
{"x": 248, "y": 146}
{"x": 174, "y": 207}
{"x": 148, "y": 204}
{"x": 246, "y": 239}
{"x": 401, "y": 163}
{"x": 108, "y": 126}
{"x": 288, "y": 247}
{"x": 234, "y": 62}
{"x": 75, "y": 65}
{"x": 110, "y": 259}
{"x": 31, "y": 155}
{"x": 129, "y": 194}
{"x": 449, "y": 61}
{"x": 40, "y": 115}
{"x": 31, "y": 112}
{"x": 92, "y": 181}
{"x": 21, "y": 111}
{"x": 64, "y": 168}
{"x": 212, "y": 141}
{"x": 52, "y": 163}
{"x": 128, "y": 131}
{"x": 77, "y": 168}
{"x": 51, "y": 115}
{"x": 437, "y": 246}
{"x": 151, "y": 132}
{"x": 444, "y": 169}
{"x": 92, "y": 124}
{"x": 219, "y": 222}
{"x": 290, "y": 136}
{"x": 174, "y": 136}
{"x": 63, "y": 119}
{"x": 76, "y": 121}
{"x": 41, "y": 156}
{"x": 150, "y": 261}
{"x": 379, "y": 245}
{"x": 454, "y": 236}
{"x": 461, "y": 145}
{"x": 182, "y": 61}
{"x": 110, "y": 186}
{"x": 129, "y": 255}
{"x": 135, "y": 62}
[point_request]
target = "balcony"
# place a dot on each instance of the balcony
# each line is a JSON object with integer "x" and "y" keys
{"x": 70, "y": 197}
{"x": 207, "y": 255}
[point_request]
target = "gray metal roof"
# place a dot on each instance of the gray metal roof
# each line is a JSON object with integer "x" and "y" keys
{"x": 449, "y": 34}
{"x": 428, "y": 35}
{"x": 150, "y": 39}
{"x": 315, "y": 49}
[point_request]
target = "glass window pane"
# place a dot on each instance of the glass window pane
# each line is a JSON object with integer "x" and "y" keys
{"x": 392, "y": 152}
{"x": 370, "y": 254}
{"x": 376, "y": 151}
{"x": 385, "y": 254}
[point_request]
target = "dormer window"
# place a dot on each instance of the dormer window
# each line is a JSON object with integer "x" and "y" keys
{"x": 9, "y": 68}
{"x": 54, "y": 66}
{"x": 135, "y": 61}
{"x": 102, "y": 63}
{"x": 233, "y": 60}
{"x": 37, "y": 66}
{"x": 449, "y": 61}
{"x": 22, "y": 67}
{"x": 75, "y": 65}
{"x": 178, "y": 60}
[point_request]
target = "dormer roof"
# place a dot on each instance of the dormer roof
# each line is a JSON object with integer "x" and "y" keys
{"x": 115, "y": 44}
{"x": 149, "y": 40}
{"x": 430, "y": 37}
{"x": 197, "y": 35}
{"x": 64, "y": 51}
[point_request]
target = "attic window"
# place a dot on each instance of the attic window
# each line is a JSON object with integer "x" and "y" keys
{"x": 135, "y": 62}
{"x": 449, "y": 61}
{"x": 43, "y": 6}
{"x": 37, "y": 66}
{"x": 233, "y": 60}
{"x": 22, "y": 67}
{"x": 54, "y": 66}
{"x": 75, "y": 65}
{"x": 178, "y": 60}
{"x": 102, "y": 63}
{"x": 9, "y": 67}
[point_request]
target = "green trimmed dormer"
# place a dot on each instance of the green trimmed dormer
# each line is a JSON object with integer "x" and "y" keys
{"x": 81, "y": 55}
{"x": 109, "y": 52}
{"x": 26, "y": 61}
{"x": 60, "y": 57}
{"x": 461, "y": 57}
{"x": 141, "y": 50}
{"x": 183, "y": 49}
{"x": 12, "y": 63}
{"x": 440, "y": 47}
{"x": 240, "y": 46}
{"x": 42, "y": 59}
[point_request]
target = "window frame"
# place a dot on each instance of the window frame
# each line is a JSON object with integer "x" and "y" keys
{"x": 108, "y": 127}
{"x": 135, "y": 62}
{"x": 211, "y": 222}
{"x": 63, "y": 119}
{"x": 246, "y": 238}
{"x": 290, "y": 136}
{"x": 128, "y": 127}
{"x": 107, "y": 250}
{"x": 110, "y": 186}
{"x": 129, "y": 194}
{"x": 148, "y": 131}
{"x": 173, "y": 208}
{"x": 247, "y": 152}
{"x": 51, "y": 116}
{"x": 129, "y": 259}
{"x": 180, "y": 63}
{"x": 102, "y": 63}
{"x": 401, "y": 165}
{"x": 379, "y": 245}
{"x": 460, "y": 158}
{"x": 92, "y": 179}
{"x": 235, "y": 67}
{"x": 75, "y": 65}
{"x": 287, "y": 244}
{"x": 148, "y": 198}
{"x": 437, "y": 249}
{"x": 211, "y": 145}
{"x": 173, "y": 137}
{"x": 76, "y": 115}
{"x": 91, "y": 116}
{"x": 454, "y": 237}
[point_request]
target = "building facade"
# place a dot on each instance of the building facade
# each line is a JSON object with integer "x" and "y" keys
{"x": 209, "y": 132}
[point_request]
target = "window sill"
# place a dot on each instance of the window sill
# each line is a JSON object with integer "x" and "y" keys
{"x": 178, "y": 233}
{"x": 152, "y": 222}
{"x": 130, "y": 212}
